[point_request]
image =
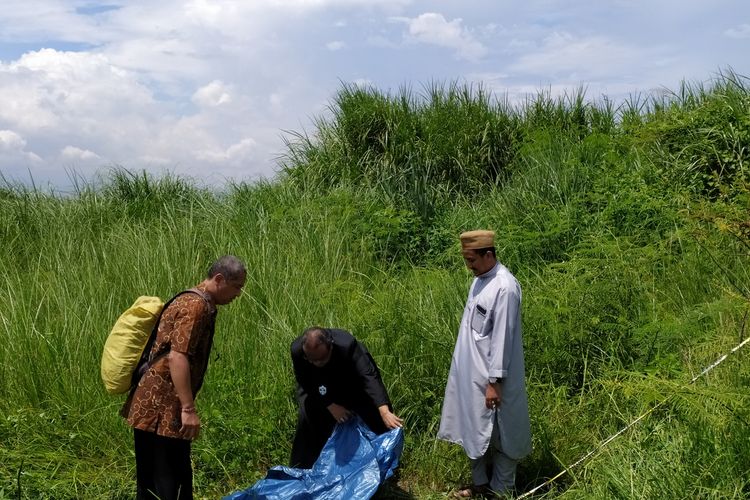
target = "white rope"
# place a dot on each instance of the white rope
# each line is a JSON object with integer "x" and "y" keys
{"x": 721, "y": 359}
{"x": 631, "y": 424}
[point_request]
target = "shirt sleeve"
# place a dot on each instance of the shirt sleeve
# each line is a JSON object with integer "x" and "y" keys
{"x": 368, "y": 372}
{"x": 504, "y": 331}
{"x": 188, "y": 312}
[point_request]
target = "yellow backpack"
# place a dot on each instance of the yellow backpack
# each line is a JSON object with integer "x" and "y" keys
{"x": 127, "y": 351}
{"x": 126, "y": 342}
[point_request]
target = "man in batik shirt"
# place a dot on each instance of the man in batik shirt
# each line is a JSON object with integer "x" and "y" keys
{"x": 161, "y": 408}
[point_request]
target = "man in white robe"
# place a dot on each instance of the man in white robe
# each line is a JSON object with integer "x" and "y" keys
{"x": 485, "y": 408}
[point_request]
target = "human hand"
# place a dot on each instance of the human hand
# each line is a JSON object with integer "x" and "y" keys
{"x": 339, "y": 413}
{"x": 389, "y": 419}
{"x": 493, "y": 395}
{"x": 191, "y": 423}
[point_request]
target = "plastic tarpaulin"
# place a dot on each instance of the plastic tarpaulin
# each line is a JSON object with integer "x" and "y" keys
{"x": 353, "y": 463}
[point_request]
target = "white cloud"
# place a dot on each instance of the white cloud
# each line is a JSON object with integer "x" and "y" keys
{"x": 23, "y": 21}
{"x": 72, "y": 153}
{"x": 13, "y": 151}
{"x": 214, "y": 94}
{"x": 322, "y": 4}
{"x": 68, "y": 92}
{"x": 64, "y": 99}
{"x": 204, "y": 12}
{"x": 741, "y": 31}
{"x": 236, "y": 153}
{"x": 186, "y": 84}
{"x": 492, "y": 29}
{"x": 434, "y": 29}
{"x": 335, "y": 45}
{"x": 563, "y": 55}
{"x": 242, "y": 149}
{"x": 11, "y": 141}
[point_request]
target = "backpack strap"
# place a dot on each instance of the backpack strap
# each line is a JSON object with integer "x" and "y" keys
{"x": 202, "y": 295}
{"x": 147, "y": 360}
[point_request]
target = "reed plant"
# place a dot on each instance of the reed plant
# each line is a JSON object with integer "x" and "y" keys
{"x": 634, "y": 273}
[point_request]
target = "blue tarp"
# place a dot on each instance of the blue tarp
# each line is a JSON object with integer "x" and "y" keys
{"x": 353, "y": 463}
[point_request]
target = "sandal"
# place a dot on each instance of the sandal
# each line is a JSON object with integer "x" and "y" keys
{"x": 473, "y": 491}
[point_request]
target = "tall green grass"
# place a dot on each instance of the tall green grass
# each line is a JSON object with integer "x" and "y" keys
{"x": 634, "y": 271}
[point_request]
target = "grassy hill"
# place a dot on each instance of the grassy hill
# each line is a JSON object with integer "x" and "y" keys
{"x": 626, "y": 224}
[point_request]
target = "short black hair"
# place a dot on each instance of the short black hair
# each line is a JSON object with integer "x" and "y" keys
{"x": 482, "y": 251}
{"x": 229, "y": 266}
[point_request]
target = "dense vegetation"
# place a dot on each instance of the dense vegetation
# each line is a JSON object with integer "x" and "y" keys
{"x": 627, "y": 226}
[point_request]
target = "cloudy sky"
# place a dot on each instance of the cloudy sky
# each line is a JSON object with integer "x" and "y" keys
{"x": 207, "y": 88}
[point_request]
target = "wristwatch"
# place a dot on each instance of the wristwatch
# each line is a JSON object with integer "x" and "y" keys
{"x": 494, "y": 380}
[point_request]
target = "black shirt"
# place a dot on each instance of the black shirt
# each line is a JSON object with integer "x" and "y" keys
{"x": 350, "y": 378}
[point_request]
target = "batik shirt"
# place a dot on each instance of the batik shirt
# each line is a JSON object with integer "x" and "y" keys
{"x": 186, "y": 326}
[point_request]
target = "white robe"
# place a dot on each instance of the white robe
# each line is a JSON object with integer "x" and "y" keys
{"x": 489, "y": 344}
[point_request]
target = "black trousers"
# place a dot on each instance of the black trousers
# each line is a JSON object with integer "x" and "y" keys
{"x": 162, "y": 467}
{"x": 315, "y": 425}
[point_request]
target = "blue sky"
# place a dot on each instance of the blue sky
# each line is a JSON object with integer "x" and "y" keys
{"x": 206, "y": 89}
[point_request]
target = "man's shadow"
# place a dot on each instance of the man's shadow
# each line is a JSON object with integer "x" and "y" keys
{"x": 536, "y": 472}
{"x": 390, "y": 489}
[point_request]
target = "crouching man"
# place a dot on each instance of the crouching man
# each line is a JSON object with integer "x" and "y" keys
{"x": 337, "y": 378}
